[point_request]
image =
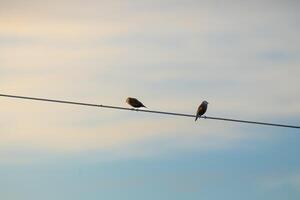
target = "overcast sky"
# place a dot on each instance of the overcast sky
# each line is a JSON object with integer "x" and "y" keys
{"x": 241, "y": 56}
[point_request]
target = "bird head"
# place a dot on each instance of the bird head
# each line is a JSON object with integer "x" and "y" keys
{"x": 205, "y": 102}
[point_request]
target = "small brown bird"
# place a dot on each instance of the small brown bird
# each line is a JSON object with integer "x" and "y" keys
{"x": 134, "y": 102}
{"x": 201, "y": 109}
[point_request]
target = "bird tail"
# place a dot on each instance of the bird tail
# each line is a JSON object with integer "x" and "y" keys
{"x": 196, "y": 118}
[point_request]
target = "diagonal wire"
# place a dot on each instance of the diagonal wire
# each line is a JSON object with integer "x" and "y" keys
{"x": 147, "y": 111}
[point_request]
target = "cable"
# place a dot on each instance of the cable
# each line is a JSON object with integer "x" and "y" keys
{"x": 148, "y": 111}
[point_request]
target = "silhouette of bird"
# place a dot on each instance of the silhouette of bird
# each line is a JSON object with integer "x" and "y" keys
{"x": 201, "y": 109}
{"x": 134, "y": 102}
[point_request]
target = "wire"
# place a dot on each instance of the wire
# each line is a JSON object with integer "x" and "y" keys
{"x": 148, "y": 111}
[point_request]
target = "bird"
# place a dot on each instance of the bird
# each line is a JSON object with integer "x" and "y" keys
{"x": 201, "y": 109}
{"x": 134, "y": 102}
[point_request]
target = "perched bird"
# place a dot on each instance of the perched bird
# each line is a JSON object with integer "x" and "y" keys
{"x": 134, "y": 102}
{"x": 201, "y": 109}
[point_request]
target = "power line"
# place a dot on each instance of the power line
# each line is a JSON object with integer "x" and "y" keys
{"x": 147, "y": 111}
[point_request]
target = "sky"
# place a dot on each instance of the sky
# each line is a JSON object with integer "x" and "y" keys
{"x": 241, "y": 56}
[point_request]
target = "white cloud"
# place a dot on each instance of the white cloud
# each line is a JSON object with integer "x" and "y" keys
{"x": 243, "y": 58}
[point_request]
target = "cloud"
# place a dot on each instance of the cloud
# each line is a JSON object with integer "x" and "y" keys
{"x": 276, "y": 181}
{"x": 243, "y": 58}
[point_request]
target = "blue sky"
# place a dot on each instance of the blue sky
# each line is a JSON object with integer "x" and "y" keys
{"x": 242, "y": 57}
